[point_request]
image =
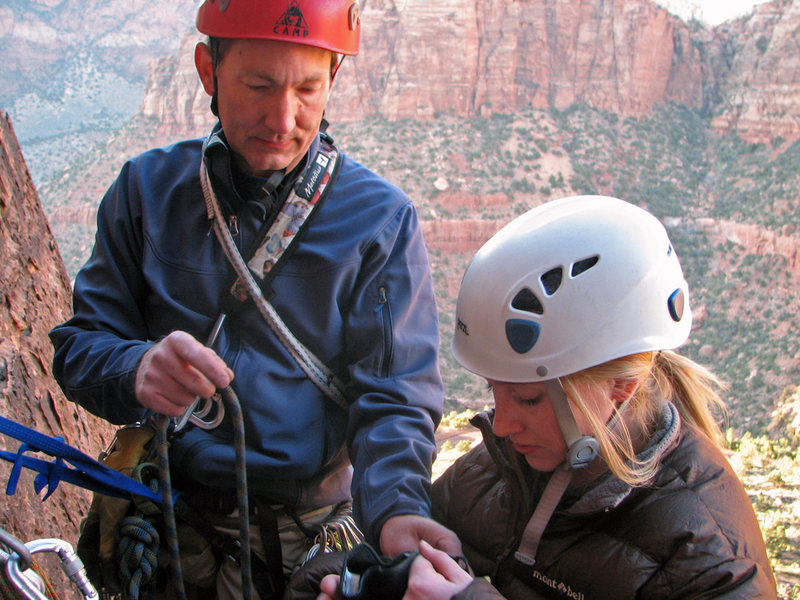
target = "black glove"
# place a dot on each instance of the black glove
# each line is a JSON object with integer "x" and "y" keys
{"x": 304, "y": 582}
{"x": 368, "y": 576}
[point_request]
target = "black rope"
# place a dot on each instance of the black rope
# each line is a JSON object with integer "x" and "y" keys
{"x": 168, "y": 508}
{"x": 138, "y": 541}
{"x": 234, "y": 409}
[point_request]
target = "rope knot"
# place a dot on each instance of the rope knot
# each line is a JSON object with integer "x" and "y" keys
{"x": 137, "y": 542}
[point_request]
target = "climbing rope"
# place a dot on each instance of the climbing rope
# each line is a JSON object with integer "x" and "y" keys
{"x": 168, "y": 508}
{"x": 316, "y": 370}
{"x": 138, "y": 541}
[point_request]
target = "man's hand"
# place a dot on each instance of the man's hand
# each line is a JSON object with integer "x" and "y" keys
{"x": 175, "y": 371}
{"x": 403, "y": 533}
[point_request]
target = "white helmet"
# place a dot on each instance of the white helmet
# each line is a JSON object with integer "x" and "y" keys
{"x": 569, "y": 285}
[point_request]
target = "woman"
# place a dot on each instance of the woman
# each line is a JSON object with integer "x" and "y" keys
{"x": 601, "y": 473}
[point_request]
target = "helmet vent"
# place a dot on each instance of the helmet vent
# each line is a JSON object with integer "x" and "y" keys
{"x": 676, "y": 304}
{"x": 522, "y": 334}
{"x": 584, "y": 265}
{"x": 527, "y": 301}
{"x": 552, "y": 280}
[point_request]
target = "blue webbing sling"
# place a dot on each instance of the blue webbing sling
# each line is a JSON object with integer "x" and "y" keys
{"x": 85, "y": 472}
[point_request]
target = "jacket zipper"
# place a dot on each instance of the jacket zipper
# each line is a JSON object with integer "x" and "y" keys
{"x": 386, "y": 321}
{"x": 233, "y": 225}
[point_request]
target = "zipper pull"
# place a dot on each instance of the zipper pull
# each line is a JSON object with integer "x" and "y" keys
{"x": 233, "y": 225}
{"x": 382, "y": 298}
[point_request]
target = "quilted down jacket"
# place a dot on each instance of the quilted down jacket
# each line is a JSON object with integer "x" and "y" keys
{"x": 691, "y": 534}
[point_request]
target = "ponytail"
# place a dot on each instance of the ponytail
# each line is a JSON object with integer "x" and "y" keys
{"x": 660, "y": 377}
{"x": 692, "y": 389}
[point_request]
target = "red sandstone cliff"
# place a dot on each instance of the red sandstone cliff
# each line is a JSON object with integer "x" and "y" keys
{"x": 762, "y": 99}
{"x": 35, "y": 297}
{"x": 475, "y": 57}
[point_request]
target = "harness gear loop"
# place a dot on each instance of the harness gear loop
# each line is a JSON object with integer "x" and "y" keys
{"x": 339, "y": 532}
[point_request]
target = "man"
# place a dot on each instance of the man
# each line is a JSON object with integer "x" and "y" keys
{"x": 354, "y": 289}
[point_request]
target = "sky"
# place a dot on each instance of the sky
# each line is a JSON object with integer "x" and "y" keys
{"x": 712, "y": 12}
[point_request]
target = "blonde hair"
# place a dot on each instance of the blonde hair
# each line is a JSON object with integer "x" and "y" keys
{"x": 658, "y": 377}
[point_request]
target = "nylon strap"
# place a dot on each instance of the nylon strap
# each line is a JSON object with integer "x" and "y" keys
{"x": 551, "y": 496}
{"x": 564, "y": 414}
{"x": 306, "y": 194}
{"x": 87, "y": 473}
{"x": 581, "y": 450}
{"x": 271, "y": 584}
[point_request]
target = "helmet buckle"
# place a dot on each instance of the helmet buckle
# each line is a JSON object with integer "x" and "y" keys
{"x": 582, "y": 452}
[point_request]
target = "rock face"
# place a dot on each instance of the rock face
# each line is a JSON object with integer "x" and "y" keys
{"x": 763, "y": 92}
{"x": 463, "y": 236}
{"x": 180, "y": 106}
{"x": 476, "y": 57}
{"x": 35, "y": 297}
{"x": 760, "y": 241}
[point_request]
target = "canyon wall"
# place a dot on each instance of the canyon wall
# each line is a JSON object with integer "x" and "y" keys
{"x": 35, "y": 297}
{"x": 475, "y": 57}
{"x": 762, "y": 95}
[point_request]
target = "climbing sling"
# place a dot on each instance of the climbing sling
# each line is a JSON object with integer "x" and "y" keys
{"x": 307, "y": 195}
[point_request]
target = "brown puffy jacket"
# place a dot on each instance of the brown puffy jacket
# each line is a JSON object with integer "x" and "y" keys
{"x": 692, "y": 534}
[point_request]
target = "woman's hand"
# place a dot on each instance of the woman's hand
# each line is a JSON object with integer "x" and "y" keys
{"x": 329, "y": 588}
{"x": 435, "y": 576}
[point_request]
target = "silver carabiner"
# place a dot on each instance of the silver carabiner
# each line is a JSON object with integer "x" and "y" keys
{"x": 192, "y": 413}
{"x": 30, "y": 584}
{"x": 196, "y": 418}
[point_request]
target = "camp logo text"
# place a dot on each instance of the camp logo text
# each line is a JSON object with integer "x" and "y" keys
{"x": 291, "y": 23}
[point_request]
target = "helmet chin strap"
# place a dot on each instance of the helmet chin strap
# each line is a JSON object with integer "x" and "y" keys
{"x": 581, "y": 451}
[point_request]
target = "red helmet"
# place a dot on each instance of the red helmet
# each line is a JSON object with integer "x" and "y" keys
{"x": 330, "y": 24}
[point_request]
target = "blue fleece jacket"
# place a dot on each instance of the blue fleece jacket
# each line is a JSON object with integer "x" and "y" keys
{"x": 357, "y": 291}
